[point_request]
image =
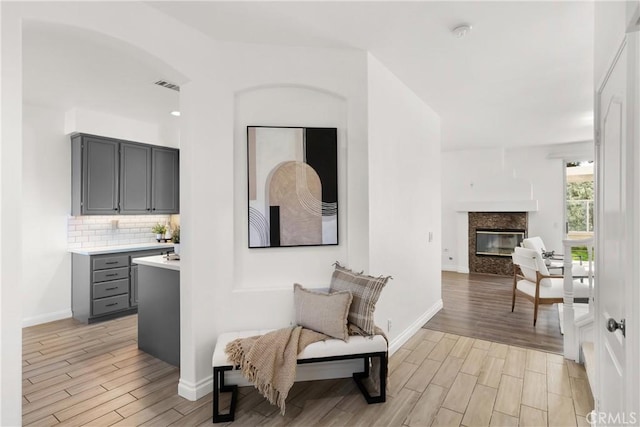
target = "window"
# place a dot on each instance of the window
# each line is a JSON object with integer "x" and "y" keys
{"x": 579, "y": 202}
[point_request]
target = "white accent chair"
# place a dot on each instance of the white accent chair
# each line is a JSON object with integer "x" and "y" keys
{"x": 531, "y": 279}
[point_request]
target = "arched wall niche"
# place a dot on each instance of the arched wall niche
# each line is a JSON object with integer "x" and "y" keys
{"x": 286, "y": 105}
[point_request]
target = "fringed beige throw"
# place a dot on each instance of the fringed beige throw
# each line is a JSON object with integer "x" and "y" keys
{"x": 269, "y": 361}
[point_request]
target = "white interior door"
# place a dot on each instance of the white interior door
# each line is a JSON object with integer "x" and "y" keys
{"x": 616, "y": 246}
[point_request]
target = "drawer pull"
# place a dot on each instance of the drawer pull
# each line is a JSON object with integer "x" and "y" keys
{"x": 111, "y": 289}
{"x": 112, "y": 262}
{"x": 112, "y": 275}
{"x": 112, "y": 304}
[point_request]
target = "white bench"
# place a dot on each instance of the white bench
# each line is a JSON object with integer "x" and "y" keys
{"x": 356, "y": 347}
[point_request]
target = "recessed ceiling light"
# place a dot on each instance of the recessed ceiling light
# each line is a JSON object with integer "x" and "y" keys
{"x": 461, "y": 30}
{"x": 175, "y": 113}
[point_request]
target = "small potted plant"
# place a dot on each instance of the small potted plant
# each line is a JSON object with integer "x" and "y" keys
{"x": 176, "y": 240}
{"x": 159, "y": 230}
{"x": 547, "y": 256}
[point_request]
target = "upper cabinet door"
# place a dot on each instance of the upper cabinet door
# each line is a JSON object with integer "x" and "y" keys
{"x": 111, "y": 177}
{"x": 99, "y": 176}
{"x": 165, "y": 181}
{"x": 135, "y": 178}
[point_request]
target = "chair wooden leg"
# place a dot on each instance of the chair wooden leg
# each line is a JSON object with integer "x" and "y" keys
{"x": 535, "y": 312}
{"x": 513, "y": 298}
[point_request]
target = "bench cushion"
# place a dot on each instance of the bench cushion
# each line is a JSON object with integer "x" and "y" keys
{"x": 329, "y": 348}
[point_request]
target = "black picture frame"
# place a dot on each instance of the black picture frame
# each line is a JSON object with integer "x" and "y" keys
{"x": 292, "y": 186}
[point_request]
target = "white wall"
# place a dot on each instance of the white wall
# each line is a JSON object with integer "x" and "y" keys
{"x": 220, "y": 287}
{"x": 113, "y": 125}
{"x": 46, "y": 183}
{"x": 10, "y": 218}
{"x": 609, "y": 30}
{"x": 404, "y": 202}
{"x": 230, "y": 287}
{"x": 538, "y": 171}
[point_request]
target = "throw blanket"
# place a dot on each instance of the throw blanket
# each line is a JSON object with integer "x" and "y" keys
{"x": 269, "y": 361}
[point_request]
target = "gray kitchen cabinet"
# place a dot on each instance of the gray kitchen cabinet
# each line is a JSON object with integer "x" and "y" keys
{"x": 95, "y": 170}
{"x": 135, "y": 178}
{"x": 165, "y": 181}
{"x": 111, "y": 176}
{"x": 105, "y": 286}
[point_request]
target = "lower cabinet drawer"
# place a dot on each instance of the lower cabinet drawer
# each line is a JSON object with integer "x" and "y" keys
{"x": 108, "y": 289}
{"x": 109, "y": 304}
{"x": 113, "y": 261}
{"x": 112, "y": 274}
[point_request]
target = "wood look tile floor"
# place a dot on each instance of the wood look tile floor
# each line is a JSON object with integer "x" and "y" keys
{"x": 75, "y": 374}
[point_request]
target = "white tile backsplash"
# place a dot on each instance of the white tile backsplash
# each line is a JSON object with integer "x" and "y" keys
{"x": 95, "y": 231}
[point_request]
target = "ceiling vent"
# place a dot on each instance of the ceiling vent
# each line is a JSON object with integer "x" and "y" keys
{"x": 168, "y": 85}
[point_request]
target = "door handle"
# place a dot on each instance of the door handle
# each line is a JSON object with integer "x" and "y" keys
{"x": 612, "y": 325}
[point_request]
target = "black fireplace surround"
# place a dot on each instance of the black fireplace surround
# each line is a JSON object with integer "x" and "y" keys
{"x": 498, "y": 242}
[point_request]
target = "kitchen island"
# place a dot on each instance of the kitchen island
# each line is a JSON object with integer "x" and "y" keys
{"x": 159, "y": 307}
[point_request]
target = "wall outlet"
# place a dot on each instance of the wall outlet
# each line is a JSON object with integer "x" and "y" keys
{"x": 389, "y": 325}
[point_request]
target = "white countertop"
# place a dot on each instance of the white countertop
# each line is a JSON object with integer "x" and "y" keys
{"x": 159, "y": 261}
{"x": 121, "y": 248}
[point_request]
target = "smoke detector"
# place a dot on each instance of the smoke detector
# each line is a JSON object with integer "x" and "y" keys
{"x": 461, "y": 30}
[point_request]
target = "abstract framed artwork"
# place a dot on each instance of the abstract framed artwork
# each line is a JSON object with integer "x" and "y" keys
{"x": 292, "y": 186}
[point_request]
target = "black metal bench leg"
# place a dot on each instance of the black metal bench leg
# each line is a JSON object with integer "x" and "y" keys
{"x": 220, "y": 387}
{"x": 358, "y": 377}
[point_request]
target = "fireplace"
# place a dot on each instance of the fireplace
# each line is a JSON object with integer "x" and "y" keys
{"x": 497, "y": 242}
{"x": 492, "y": 237}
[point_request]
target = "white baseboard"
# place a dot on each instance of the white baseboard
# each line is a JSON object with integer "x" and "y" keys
{"x": 455, "y": 269}
{"x": 317, "y": 371}
{"x": 46, "y": 318}
{"x": 194, "y": 391}
{"x": 415, "y": 327}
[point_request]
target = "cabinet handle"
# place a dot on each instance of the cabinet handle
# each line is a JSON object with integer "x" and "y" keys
{"x": 111, "y": 289}
{"x": 153, "y": 209}
{"x": 115, "y": 209}
{"x": 112, "y": 304}
{"x": 112, "y": 275}
{"x": 112, "y": 262}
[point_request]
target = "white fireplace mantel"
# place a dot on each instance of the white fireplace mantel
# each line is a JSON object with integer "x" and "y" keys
{"x": 497, "y": 206}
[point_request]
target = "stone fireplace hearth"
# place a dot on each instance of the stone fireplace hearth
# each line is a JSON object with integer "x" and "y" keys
{"x": 501, "y": 265}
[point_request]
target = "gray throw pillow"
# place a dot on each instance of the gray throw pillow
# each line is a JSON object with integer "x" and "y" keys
{"x": 322, "y": 312}
{"x": 365, "y": 291}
